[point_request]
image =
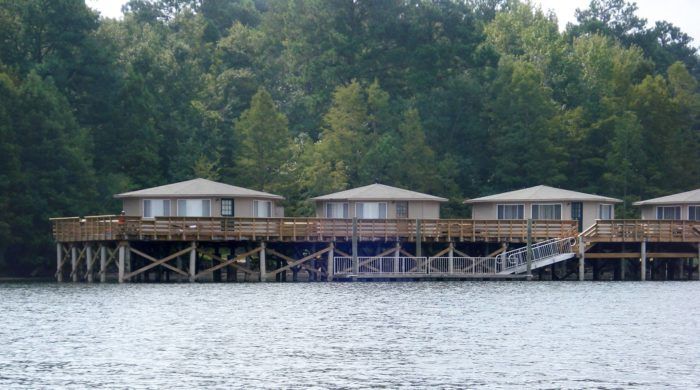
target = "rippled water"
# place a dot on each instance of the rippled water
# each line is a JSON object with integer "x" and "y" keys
{"x": 452, "y": 334}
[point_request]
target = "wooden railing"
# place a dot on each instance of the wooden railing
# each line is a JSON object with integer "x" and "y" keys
{"x": 637, "y": 230}
{"x": 112, "y": 227}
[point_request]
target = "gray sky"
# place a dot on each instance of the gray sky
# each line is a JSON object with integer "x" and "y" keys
{"x": 682, "y": 13}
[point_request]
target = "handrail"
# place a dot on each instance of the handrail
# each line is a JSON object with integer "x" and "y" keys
{"x": 541, "y": 250}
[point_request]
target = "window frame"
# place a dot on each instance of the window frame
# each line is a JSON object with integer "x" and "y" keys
{"x": 659, "y": 208}
{"x": 520, "y": 209}
{"x": 401, "y": 202}
{"x": 345, "y": 207}
{"x": 600, "y": 211}
{"x": 256, "y": 206}
{"x": 386, "y": 210}
{"x": 143, "y": 207}
{"x": 532, "y": 211}
{"x": 696, "y": 212}
{"x": 177, "y": 207}
{"x": 233, "y": 207}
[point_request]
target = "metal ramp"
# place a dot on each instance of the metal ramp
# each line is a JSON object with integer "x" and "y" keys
{"x": 544, "y": 253}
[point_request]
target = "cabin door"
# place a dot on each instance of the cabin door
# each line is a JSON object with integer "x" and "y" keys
{"x": 577, "y": 214}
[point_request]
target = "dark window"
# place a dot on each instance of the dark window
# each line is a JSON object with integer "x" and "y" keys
{"x": 694, "y": 213}
{"x": 668, "y": 212}
{"x": 401, "y": 209}
{"x": 227, "y": 207}
{"x": 510, "y": 211}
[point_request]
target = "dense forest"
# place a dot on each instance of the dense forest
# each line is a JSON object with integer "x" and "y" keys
{"x": 300, "y": 98}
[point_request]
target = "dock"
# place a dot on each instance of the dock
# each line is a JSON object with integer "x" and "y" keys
{"x": 231, "y": 249}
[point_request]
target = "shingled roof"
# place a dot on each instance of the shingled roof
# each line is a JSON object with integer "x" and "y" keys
{"x": 680, "y": 198}
{"x": 198, "y": 187}
{"x": 379, "y": 192}
{"x": 542, "y": 193}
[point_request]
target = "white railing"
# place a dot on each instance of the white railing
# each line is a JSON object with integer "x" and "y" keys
{"x": 443, "y": 265}
{"x": 541, "y": 250}
{"x": 380, "y": 265}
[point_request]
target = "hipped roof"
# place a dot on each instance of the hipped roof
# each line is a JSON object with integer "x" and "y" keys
{"x": 380, "y": 192}
{"x": 542, "y": 193}
{"x": 692, "y": 196}
{"x": 198, "y": 187}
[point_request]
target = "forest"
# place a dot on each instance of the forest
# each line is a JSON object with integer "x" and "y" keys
{"x": 304, "y": 97}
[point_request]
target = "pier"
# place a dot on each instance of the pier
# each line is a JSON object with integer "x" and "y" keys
{"x": 230, "y": 249}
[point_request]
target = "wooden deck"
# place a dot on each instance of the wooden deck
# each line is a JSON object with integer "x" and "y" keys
{"x": 114, "y": 228}
{"x": 638, "y": 230}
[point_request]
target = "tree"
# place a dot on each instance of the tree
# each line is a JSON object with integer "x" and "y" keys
{"x": 264, "y": 145}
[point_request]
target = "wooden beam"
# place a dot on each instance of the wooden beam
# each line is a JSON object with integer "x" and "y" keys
{"x": 229, "y": 262}
{"x": 404, "y": 252}
{"x": 300, "y": 261}
{"x": 291, "y": 260}
{"x": 498, "y": 251}
{"x": 157, "y": 262}
{"x": 461, "y": 253}
{"x": 343, "y": 254}
{"x": 636, "y": 255}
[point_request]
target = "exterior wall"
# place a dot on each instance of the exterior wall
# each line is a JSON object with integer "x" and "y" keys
{"x": 649, "y": 211}
{"x": 242, "y": 207}
{"x": 416, "y": 209}
{"x": 590, "y": 210}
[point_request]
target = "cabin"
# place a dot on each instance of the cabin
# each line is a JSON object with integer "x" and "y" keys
{"x": 544, "y": 202}
{"x": 200, "y": 198}
{"x": 378, "y": 201}
{"x": 682, "y": 206}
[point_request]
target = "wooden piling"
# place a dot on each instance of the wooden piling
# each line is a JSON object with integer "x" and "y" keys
{"x": 529, "y": 250}
{"x": 330, "y": 265}
{"x": 419, "y": 239}
{"x": 59, "y": 260}
{"x": 120, "y": 264}
{"x": 355, "y": 262}
{"x": 74, "y": 263}
{"x": 581, "y": 260}
{"x": 397, "y": 255}
{"x": 643, "y": 265}
{"x": 103, "y": 263}
{"x": 88, "y": 264}
{"x": 451, "y": 259}
{"x": 193, "y": 262}
{"x": 263, "y": 262}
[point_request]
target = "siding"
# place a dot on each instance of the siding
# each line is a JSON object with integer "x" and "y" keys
{"x": 489, "y": 211}
{"x": 649, "y": 211}
{"x": 243, "y": 207}
{"x": 416, "y": 209}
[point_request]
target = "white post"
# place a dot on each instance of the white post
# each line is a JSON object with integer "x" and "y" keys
{"x": 263, "y": 263}
{"x": 581, "y": 260}
{"x": 120, "y": 265}
{"x": 329, "y": 277}
{"x": 644, "y": 261}
{"x": 89, "y": 263}
{"x": 397, "y": 254}
{"x": 59, "y": 257}
{"x": 193, "y": 262}
{"x": 103, "y": 263}
{"x": 73, "y": 262}
{"x": 451, "y": 259}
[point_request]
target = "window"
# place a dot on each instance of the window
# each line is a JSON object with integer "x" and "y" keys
{"x": 227, "y": 207}
{"x": 694, "y": 213}
{"x": 156, "y": 208}
{"x": 262, "y": 208}
{"x": 370, "y": 210}
{"x": 605, "y": 211}
{"x": 510, "y": 211}
{"x": 336, "y": 210}
{"x": 668, "y": 212}
{"x": 194, "y": 207}
{"x": 546, "y": 211}
{"x": 401, "y": 209}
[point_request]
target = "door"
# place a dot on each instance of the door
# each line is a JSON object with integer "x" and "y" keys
{"x": 577, "y": 214}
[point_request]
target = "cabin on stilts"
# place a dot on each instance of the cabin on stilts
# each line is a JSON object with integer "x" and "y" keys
{"x": 200, "y": 230}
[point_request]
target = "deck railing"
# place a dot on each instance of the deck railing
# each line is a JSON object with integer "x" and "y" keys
{"x": 112, "y": 227}
{"x": 636, "y": 230}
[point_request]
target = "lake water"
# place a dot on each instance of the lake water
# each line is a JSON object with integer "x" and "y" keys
{"x": 351, "y": 335}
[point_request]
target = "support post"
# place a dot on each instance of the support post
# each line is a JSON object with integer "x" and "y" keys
{"x": 451, "y": 259}
{"x": 89, "y": 263}
{"x": 697, "y": 275}
{"x": 103, "y": 263}
{"x": 623, "y": 268}
{"x": 419, "y": 239}
{"x": 263, "y": 262}
{"x": 59, "y": 257}
{"x": 581, "y": 260}
{"x": 74, "y": 262}
{"x": 643, "y": 271}
{"x": 127, "y": 259}
{"x": 529, "y": 249}
{"x": 193, "y": 262}
{"x": 355, "y": 262}
{"x": 120, "y": 264}
{"x": 397, "y": 255}
{"x": 330, "y": 265}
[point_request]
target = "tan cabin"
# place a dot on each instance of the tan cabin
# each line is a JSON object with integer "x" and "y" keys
{"x": 544, "y": 202}
{"x": 378, "y": 201}
{"x": 682, "y": 206}
{"x": 201, "y": 198}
